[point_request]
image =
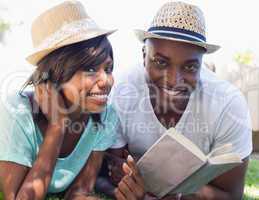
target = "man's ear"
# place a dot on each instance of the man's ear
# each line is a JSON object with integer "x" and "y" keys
{"x": 144, "y": 54}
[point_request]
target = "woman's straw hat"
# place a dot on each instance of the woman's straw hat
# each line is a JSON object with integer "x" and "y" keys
{"x": 179, "y": 21}
{"x": 64, "y": 24}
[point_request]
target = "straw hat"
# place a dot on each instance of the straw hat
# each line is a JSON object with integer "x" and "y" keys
{"x": 179, "y": 21}
{"x": 64, "y": 24}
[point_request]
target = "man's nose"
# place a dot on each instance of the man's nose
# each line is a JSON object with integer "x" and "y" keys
{"x": 173, "y": 77}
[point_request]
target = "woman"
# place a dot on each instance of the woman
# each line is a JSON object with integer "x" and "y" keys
{"x": 52, "y": 140}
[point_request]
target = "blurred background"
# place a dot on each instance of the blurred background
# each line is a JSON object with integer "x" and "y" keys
{"x": 231, "y": 24}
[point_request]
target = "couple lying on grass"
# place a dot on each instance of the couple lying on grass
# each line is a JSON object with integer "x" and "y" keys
{"x": 55, "y": 137}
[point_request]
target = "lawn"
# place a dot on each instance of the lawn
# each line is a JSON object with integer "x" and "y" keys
{"x": 252, "y": 181}
{"x": 251, "y": 188}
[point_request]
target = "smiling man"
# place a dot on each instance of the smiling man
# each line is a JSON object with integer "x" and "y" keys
{"x": 172, "y": 89}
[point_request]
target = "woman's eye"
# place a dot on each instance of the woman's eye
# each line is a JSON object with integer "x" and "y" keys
{"x": 109, "y": 69}
{"x": 90, "y": 71}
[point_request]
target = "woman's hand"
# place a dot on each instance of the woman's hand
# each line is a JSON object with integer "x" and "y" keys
{"x": 131, "y": 187}
{"x": 50, "y": 102}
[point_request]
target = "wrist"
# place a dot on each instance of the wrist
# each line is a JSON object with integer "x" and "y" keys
{"x": 59, "y": 124}
{"x": 56, "y": 128}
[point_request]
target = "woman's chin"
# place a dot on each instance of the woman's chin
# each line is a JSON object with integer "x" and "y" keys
{"x": 95, "y": 109}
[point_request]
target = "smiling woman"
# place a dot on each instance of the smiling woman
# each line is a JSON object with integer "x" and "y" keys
{"x": 75, "y": 70}
{"x": 52, "y": 139}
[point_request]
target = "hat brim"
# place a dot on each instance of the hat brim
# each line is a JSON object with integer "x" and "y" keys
{"x": 143, "y": 35}
{"x": 37, "y": 55}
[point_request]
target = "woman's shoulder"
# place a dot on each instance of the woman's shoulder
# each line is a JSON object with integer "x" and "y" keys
{"x": 15, "y": 104}
{"x": 109, "y": 114}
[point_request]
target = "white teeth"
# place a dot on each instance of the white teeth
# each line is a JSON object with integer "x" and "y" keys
{"x": 171, "y": 92}
{"x": 99, "y": 95}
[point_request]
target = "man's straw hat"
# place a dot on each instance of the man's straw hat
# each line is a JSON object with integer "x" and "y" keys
{"x": 179, "y": 21}
{"x": 64, "y": 24}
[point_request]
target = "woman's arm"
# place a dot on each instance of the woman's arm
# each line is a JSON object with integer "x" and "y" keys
{"x": 32, "y": 184}
{"x": 83, "y": 185}
{"x": 19, "y": 182}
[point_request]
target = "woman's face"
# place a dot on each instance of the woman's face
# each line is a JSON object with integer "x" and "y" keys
{"x": 89, "y": 89}
{"x": 173, "y": 69}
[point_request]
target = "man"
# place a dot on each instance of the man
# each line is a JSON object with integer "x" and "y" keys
{"x": 172, "y": 89}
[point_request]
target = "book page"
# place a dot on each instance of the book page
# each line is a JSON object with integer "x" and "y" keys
{"x": 225, "y": 158}
{"x": 224, "y": 149}
{"x": 166, "y": 164}
{"x": 188, "y": 144}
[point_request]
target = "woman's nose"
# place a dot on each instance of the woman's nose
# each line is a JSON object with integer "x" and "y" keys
{"x": 102, "y": 79}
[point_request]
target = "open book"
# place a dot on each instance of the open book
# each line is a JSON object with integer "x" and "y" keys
{"x": 176, "y": 165}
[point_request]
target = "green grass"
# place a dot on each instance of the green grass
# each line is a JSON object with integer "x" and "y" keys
{"x": 252, "y": 181}
{"x": 251, "y": 186}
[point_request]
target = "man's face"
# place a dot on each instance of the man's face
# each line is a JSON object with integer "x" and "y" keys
{"x": 173, "y": 69}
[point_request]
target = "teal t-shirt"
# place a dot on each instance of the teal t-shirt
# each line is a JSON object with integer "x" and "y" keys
{"x": 20, "y": 140}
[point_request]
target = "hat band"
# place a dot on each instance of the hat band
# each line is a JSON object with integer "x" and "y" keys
{"x": 178, "y": 33}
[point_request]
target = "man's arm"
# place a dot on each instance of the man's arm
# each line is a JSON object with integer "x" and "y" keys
{"x": 228, "y": 186}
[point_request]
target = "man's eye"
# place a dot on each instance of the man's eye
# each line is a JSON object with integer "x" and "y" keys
{"x": 191, "y": 68}
{"x": 159, "y": 63}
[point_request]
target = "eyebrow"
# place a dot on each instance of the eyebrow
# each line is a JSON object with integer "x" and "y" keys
{"x": 192, "y": 61}
{"x": 168, "y": 59}
{"x": 163, "y": 56}
{"x": 109, "y": 62}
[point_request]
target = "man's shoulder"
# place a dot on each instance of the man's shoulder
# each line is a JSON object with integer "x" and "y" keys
{"x": 216, "y": 89}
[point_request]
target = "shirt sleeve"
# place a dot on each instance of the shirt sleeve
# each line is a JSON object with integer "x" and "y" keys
{"x": 235, "y": 127}
{"x": 120, "y": 140}
{"x": 107, "y": 133}
{"x": 15, "y": 146}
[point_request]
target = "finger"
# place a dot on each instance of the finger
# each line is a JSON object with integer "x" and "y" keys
{"x": 135, "y": 172}
{"x": 119, "y": 195}
{"x": 131, "y": 163}
{"x": 37, "y": 94}
{"x": 126, "y": 169}
{"x": 43, "y": 91}
{"x": 133, "y": 186}
{"x": 40, "y": 91}
{"x": 124, "y": 188}
{"x": 138, "y": 179}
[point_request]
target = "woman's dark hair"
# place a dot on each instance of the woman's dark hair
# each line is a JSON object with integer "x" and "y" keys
{"x": 60, "y": 65}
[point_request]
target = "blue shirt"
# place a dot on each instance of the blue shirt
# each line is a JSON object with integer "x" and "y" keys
{"x": 20, "y": 140}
